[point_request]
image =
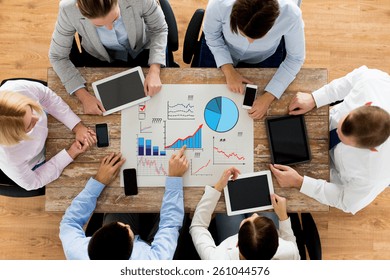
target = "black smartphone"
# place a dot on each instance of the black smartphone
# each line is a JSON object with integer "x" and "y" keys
{"x": 250, "y": 96}
{"x": 130, "y": 181}
{"x": 102, "y": 135}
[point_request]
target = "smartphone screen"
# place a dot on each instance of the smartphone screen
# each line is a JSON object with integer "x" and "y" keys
{"x": 250, "y": 95}
{"x": 130, "y": 181}
{"x": 102, "y": 135}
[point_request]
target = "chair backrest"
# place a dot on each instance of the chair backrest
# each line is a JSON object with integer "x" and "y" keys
{"x": 7, "y": 186}
{"x": 28, "y": 79}
{"x": 191, "y": 46}
{"x": 173, "y": 34}
{"x": 307, "y": 237}
{"x": 11, "y": 189}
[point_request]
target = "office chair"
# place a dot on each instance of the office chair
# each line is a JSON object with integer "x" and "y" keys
{"x": 191, "y": 46}
{"x": 194, "y": 36}
{"x": 173, "y": 34}
{"x": 7, "y": 186}
{"x": 307, "y": 237}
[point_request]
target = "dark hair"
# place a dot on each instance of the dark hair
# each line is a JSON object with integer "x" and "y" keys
{"x": 95, "y": 8}
{"x": 258, "y": 239}
{"x": 111, "y": 242}
{"x": 368, "y": 125}
{"x": 254, "y": 18}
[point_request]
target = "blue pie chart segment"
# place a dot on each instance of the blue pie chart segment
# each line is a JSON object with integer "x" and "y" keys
{"x": 221, "y": 114}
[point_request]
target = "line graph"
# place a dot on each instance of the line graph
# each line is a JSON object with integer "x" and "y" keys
{"x": 180, "y": 111}
{"x": 152, "y": 166}
{"x": 145, "y": 129}
{"x": 200, "y": 170}
{"x": 225, "y": 153}
{"x": 193, "y": 141}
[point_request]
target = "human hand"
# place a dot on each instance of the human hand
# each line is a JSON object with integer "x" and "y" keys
{"x": 233, "y": 79}
{"x": 152, "y": 84}
{"x": 301, "y": 103}
{"x": 286, "y": 176}
{"x": 84, "y": 133}
{"x": 91, "y": 105}
{"x": 178, "y": 164}
{"x": 280, "y": 206}
{"x": 78, "y": 148}
{"x": 232, "y": 173}
{"x": 260, "y": 106}
{"x": 109, "y": 168}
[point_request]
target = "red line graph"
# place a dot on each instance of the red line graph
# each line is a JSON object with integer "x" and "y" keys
{"x": 233, "y": 154}
{"x": 204, "y": 166}
{"x": 152, "y": 164}
{"x": 183, "y": 139}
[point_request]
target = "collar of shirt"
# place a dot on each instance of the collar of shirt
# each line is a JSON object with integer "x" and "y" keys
{"x": 115, "y": 39}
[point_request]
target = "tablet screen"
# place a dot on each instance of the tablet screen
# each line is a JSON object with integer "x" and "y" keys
{"x": 249, "y": 193}
{"x": 288, "y": 139}
{"x": 120, "y": 91}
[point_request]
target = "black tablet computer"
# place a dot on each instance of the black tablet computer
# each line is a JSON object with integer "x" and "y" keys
{"x": 249, "y": 193}
{"x": 121, "y": 90}
{"x": 288, "y": 140}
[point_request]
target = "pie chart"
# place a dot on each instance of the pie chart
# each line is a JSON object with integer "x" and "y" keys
{"x": 221, "y": 114}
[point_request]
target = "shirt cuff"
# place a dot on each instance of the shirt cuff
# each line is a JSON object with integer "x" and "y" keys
{"x": 285, "y": 225}
{"x": 321, "y": 97}
{"x": 73, "y": 91}
{"x": 212, "y": 192}
{"x": 94, "y": 186}
{"x": 308, "y": 186}
{"x": 64, "y": 158}
{"x": 174, "y": 183}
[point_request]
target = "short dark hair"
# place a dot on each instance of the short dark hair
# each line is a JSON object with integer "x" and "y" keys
{"x": 95, "y": 8}
{"x": 254, "y": 17}
{"x": 368, "y": 125}
{"x": 111, "y": 242}
{"x": 258, "y": 239}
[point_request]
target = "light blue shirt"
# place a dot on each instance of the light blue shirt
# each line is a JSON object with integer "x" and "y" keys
{"x": 116, "y": 40}
{"x": 75, "y": 243}
{"x": 230, "y": 48}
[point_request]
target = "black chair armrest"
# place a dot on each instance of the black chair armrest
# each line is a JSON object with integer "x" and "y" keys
{"x": 312, "y": 238}
{"x": 298, "y": 232}
{"x": 192, "y": 35}
{"x": 173, "y": 38}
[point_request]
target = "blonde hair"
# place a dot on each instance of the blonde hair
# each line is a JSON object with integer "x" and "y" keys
{"x": 12, "y": 111}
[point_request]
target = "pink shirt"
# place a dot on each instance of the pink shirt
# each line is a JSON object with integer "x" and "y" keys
{"x": 18, "y": 160}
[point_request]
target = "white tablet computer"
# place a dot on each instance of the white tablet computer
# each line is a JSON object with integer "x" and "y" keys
{"x": 121, "y": 91}
{"x": 249, "y": 193}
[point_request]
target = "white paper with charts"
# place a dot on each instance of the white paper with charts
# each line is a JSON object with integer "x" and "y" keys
{"x": 208, "y": 119}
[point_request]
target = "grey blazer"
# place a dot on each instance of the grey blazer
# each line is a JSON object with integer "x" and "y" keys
{"x": 144, "y": 22}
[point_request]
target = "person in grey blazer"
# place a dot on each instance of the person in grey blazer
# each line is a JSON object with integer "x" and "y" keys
{"x": 112, "y": 32}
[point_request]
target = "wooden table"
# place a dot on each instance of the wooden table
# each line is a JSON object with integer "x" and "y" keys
{"x": 60, "y": 193}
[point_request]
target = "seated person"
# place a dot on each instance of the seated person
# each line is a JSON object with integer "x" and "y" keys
{"x": 116, "y": 33}
{"x": 359, "y": 163}
{"x": 257, "y": 237}
{"x": 254, "y": 33}
{"x": 116, "y": 240}
{"x": 24, "y": 130}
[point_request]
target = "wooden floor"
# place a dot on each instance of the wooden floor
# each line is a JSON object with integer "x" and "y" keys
{"x": 340, "y": 36}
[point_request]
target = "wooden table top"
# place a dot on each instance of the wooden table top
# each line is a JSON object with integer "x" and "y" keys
{"x": 60, "y": 193}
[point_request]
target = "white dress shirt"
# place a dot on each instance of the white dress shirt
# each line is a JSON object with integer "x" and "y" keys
{"x": 230, "y": 48}
{"x": 228, "y": 250}
{"x": 357, "y": 176}
{"x": 17, "y": 161}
